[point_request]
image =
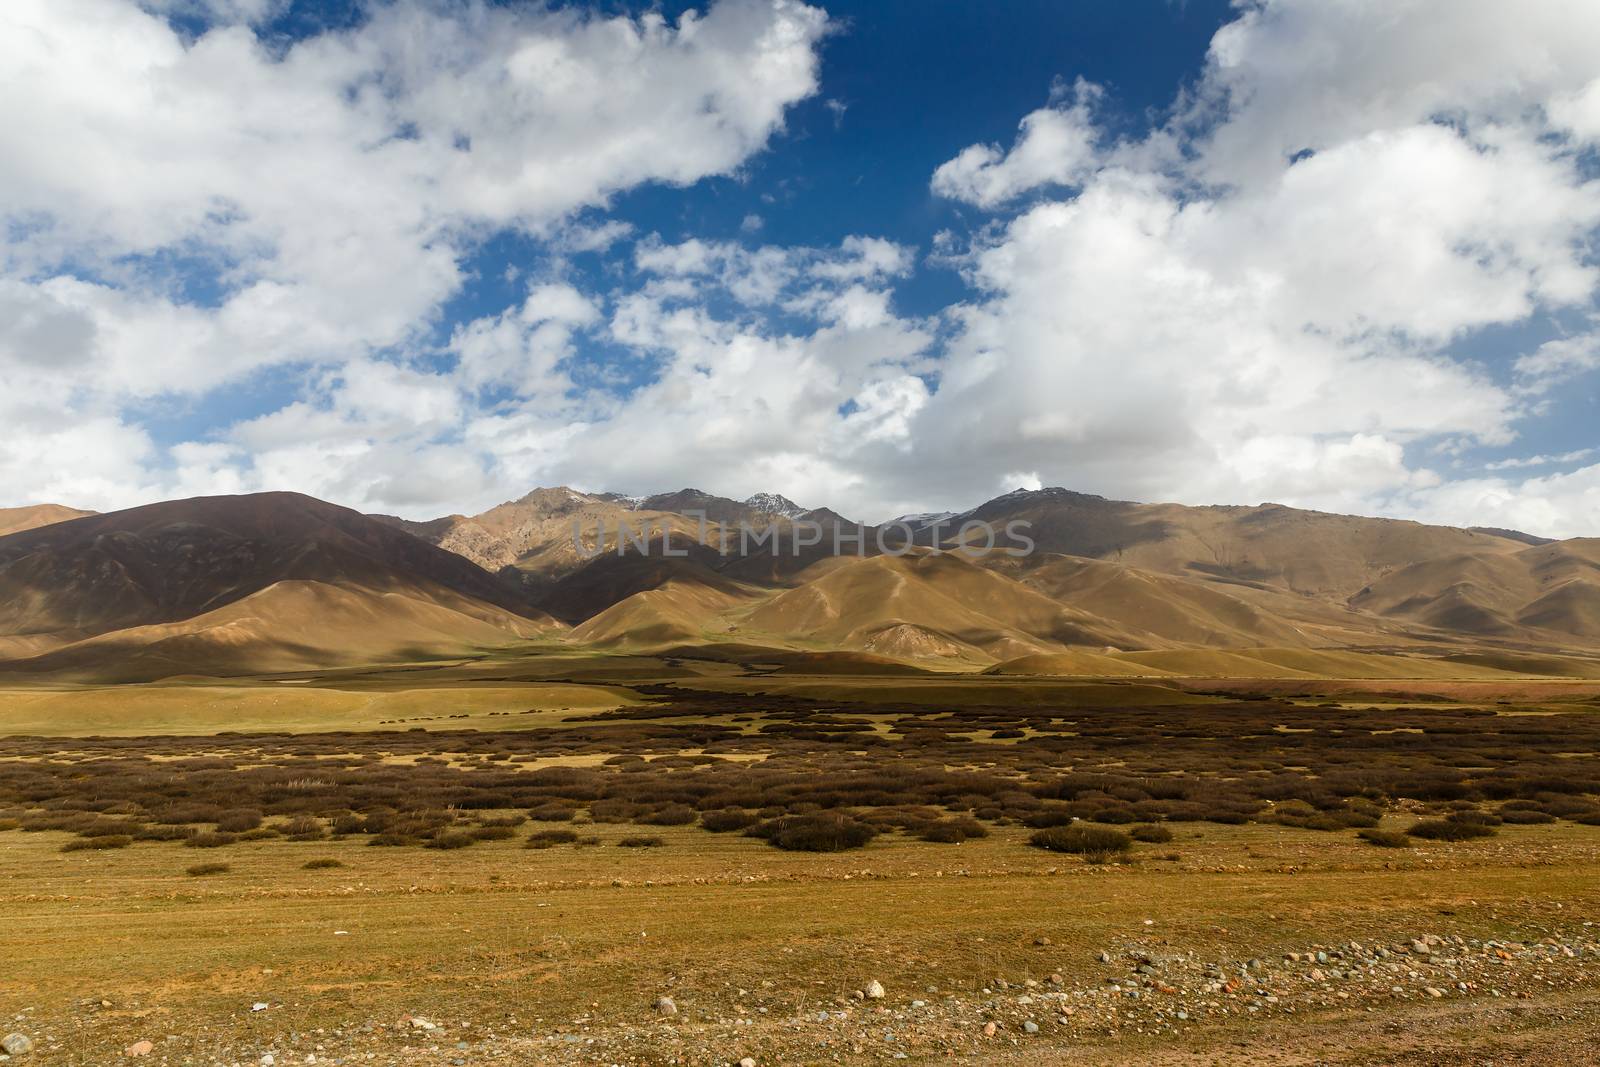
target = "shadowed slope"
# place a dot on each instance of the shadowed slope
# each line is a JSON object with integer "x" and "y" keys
{"x": 295, "y": 572}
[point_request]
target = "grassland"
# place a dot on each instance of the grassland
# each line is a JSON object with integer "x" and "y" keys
{"x": 461, "y": 944}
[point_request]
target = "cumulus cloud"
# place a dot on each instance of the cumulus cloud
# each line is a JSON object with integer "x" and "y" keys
{"x": 1263, "y": 296}
{"x": 330, "y": 188}
{"x": 1259, "y": 300}
{"x": 1056, "y": 146}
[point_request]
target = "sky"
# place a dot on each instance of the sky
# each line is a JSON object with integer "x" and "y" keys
{"x": 888, "y": 256}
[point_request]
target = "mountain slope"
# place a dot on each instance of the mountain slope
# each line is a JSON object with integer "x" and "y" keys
{"x": 1306, "y": 552}
{"x": 927, "y": 605}
{"x": 16, "y": 520}
{"x": 181, "y": 562}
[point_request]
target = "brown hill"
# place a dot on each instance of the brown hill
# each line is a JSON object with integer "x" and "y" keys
{"x": 927, "y": 606}
{"x": 15, "y": 520}
{"x": 1307, "y": 552}
{"x": 1547, "y": 593}
{"x": 181, "y": 562}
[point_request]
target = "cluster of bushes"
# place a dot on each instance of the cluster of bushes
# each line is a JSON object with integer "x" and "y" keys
{"x": 823, "y": 777}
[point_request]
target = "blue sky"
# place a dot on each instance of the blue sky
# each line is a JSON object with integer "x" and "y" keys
{"x": 422, "y": 256}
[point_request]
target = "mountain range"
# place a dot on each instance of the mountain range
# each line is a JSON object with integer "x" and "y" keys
{"x": 280, "y": 581}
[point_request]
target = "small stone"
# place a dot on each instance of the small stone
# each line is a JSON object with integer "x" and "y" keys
{"x": 1030, "y": 1027}
{"x": 666, "y": 1006}
{"x": 16, "y": 1044}
{"x": 989, "y": 1029}
{"x": 139, "y": 1048}
{"x": 259, "y": 1005}
{"x": 874, "y": 990}
{"x": 748, "y": 1061}
{"x": 267, "y": 1060}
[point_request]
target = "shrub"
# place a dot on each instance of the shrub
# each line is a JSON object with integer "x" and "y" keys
{"x": 1151, "y": 833}
{"x": 553, "y": 812}
{"x": 492, "y": 833}
{"x": 1477, "y": 818}
{"x": 640, "y": 842}
{"x": 79, "y": 844}
{"x": 164, "y": 833}
{"x": 953, "y": 831}
{"x": 1449, "y": 830}
{"x": 209, "y": 839}
{"x": 238, "y": 820}
{"x": 450, "y": 839}
{"x": 726, "y": 820}
{"x": 321, "y": 864}
{"x": 301, "y": 828}
{"x": 200, "y": 870}
{"x": 1385, "y": 838}
{"x": 391, "y": 839}
{"x": 349, "y": 824}
{"x": 670, "y": 815}
{"x": 819, "y": 832}
{"x": 1525, "y": 817}
{"x": 1081, "y": 840}
{"x": 548, "y": 838}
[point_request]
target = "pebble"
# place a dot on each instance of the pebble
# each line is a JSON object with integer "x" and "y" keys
{"x": 1030, "y": 1027}
{"x": 16, "y": 1044}
{"x": 874, "y": 990}
{"x": 666, "y": 1006}
{"x": 748, "y": 1061}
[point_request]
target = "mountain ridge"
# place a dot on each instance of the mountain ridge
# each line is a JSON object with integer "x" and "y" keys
{"x": 170, "y": 581}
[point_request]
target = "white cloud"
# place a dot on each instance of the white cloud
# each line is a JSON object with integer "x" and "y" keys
{"x": 1057, "y": 146}
{"x": 1523, "y": 462}
{"x": 1259, "y": 299}
{"x": 331, "y": 187}
{"x": 1215, "y": 315}
{"x": 1555, "y": 362}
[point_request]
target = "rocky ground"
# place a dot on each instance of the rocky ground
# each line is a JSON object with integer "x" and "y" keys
{"x": 1142, "y": 999}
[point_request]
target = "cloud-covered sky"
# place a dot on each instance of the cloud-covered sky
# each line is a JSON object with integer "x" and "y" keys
{"x": 420, "y": 257}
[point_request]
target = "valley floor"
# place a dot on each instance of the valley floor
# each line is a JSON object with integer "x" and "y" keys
{"x": 1281, "y": 938}
{"x": 559, "y": 956}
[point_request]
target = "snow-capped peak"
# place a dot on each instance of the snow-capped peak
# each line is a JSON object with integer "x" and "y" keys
{"x": 774, "y": 504}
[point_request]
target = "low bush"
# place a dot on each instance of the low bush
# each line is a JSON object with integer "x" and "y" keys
{"x": 238, "y": 820}
{"x": 1081, "y": 840}
{"x": 952, "y": 831}
{"x": 727, "y": 820}
{"x": 491, "y": 833}
{"x": 200, "y": 870}
{"x": 450, "y": 839}
{"x": 209, "y": 839}
{"x": 80, "y": 844}
{"x": 1449, "y": 830}
{"x": 819, "y": 832}
{"x": 1385, "y": 838}
{"x": 550, "y": 838}
{"x": 640, "y": 842}
{"x": 323, "y": 864}
{"x": 669, "y": 815}
{"x": 1524, "y": 817}
{"x": 1151, "y": 833}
